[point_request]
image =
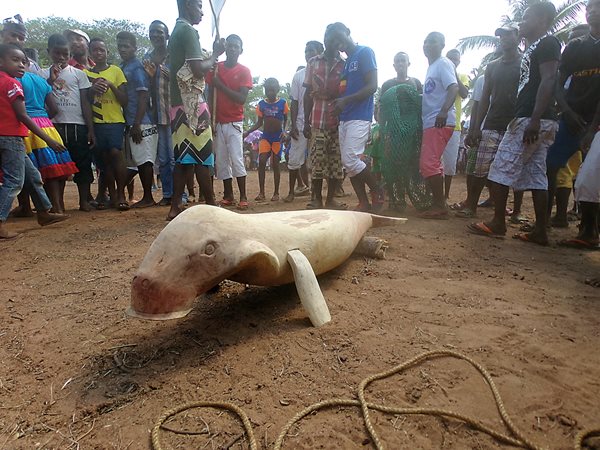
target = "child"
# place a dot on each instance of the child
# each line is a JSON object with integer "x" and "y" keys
{"x": 54, "y": 167}
{"x": 141, "y": 136}
{"x": 272, "y": 113}
{"x": 17, "y": 168}
{"x": 73, "y": 121}
{"x": 108, "y": 97}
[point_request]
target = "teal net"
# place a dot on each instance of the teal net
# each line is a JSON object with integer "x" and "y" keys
{"x": 400, "y": 132}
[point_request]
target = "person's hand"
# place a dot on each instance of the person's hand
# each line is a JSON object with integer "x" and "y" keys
{"x": 99, "y": 86}
{"x": 245, "y": 134}
{"x": 136, "y": 133}
{"x": 150, "y": 68}
{"x": 218, "y": 46}
{"x": 54, "y": 72}
{"x": 294, "y": 133}
{"x": 532, "y": 132}
{"x": 473, "y": 138}
{"x": 91, "y": 139}
{"x": 441, "y": 119}
{"x": 56, "y": 146}
{"x": 586, "y": 140}
{"x": 575, "y": 123}
{"x": 307, "y": 130}
{"x": 217, "y": 82}
{"x": 339, "y": 104}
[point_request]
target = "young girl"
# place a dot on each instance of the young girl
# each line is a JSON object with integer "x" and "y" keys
{"x": 16, "y": 167}
{"x": 55, "y": 167}
{"x": 272, "y": 113}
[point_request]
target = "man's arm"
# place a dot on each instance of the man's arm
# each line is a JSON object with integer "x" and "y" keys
{"x": 120, "y": 93}
{"x": 544, "y": 96}
{"x": 575, "y": 122}
{"x": 463, "y": 91}
{"x": 442, "y": 117}
{"x": 86, "y": 110}
{"x": 256, "y": 126}
{"x": 238, "y": 96}
{"x": 136, "y": 129}
{"x": 365, "y": 92}
{"x": 18, "y": 106}
{"x": 308, "y": 107}
{"x": 200, "y": 67}
{"x": 478, "y": 114}
{"x": 586, "y": 141}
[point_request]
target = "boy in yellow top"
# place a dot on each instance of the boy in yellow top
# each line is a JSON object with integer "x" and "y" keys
{"x": 450, "y": 155}
{"x": 109, "y": 97}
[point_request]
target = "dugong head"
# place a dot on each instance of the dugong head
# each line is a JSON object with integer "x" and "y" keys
{"x": 190, "y": 256}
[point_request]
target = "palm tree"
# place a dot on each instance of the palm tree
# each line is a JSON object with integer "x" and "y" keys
{"x": 565, "y": 20}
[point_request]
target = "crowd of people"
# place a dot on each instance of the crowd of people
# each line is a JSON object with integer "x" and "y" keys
{"x": 179, "y": 112}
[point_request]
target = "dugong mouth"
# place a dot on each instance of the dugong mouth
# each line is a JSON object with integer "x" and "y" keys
{"x": 156, "y": 300}
{"x": 166, "y": 316}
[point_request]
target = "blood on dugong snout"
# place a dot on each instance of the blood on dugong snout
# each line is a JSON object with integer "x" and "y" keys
{"x": 205, "y": 245}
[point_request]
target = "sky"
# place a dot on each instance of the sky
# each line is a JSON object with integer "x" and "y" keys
{"x": 275, "y": 31}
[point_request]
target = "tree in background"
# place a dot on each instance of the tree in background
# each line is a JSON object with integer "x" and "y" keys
{"x": 255, "y": 95}
{"x": 38, "y": 31}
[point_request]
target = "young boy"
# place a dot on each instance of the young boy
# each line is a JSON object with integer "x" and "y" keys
{"x": 141, "y": 136}
{"x": 108, "y": 97}
{"x": 70, "y": 90}
{"x": 272, "y": 117}
{"x": 17, "y": 168}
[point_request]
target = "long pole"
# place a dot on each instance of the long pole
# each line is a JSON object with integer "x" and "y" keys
{"x": 214, "y": 90}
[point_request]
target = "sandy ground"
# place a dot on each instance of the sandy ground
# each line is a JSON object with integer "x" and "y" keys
{"x": 76, "y": 372}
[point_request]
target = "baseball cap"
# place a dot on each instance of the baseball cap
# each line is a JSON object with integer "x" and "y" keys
{"x": 508, "y": 28}
{"x": 83, "y": 34}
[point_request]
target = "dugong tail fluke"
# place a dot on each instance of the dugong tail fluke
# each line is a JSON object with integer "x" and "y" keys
{"x": 205, "y": 245}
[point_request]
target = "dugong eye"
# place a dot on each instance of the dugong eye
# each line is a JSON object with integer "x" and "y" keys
{"x": 210, "y": 248}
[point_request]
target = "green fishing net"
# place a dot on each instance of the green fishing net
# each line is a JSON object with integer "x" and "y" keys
{"x": 400, "y": 132}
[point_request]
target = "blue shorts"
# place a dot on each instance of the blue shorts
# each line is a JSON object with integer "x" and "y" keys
{"x": 109, "y": 136}
{"x": 565, "y": 145}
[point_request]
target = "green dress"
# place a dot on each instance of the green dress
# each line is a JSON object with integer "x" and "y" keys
{"x": 401, "y": 132}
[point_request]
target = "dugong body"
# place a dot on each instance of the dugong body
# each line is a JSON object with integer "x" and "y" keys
{"x": 205, "y": 245}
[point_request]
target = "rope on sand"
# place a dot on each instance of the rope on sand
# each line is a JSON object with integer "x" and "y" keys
{"x": 518, "y": 439}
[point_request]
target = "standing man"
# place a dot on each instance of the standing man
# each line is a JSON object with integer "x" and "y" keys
{"x": 232, "y": 82}
{"x": 401, "y": 64}
{"x": 79, "y": 43}
{"x": 192, "y": 136}
{"x": 495, "y": 110}
{"x": 322, "y": 83}
{"x": 438, "y": 114}
{"x": 355, "y": 107}
{"x": 14, "y": 32}
{"x": 155, "y": 64}
{"x": 297, "y": 156}
{"x": 521, "y": 158}
{"x": 450, "y": 155}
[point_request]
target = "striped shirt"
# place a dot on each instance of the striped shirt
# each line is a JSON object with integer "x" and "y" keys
{"x": 160, "y": 92}
{"x": 323, "y": 79}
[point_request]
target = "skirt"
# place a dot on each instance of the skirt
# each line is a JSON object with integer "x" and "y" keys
{"x": 51, "y": 164}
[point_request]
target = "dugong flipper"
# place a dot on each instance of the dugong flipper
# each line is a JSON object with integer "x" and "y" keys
{"x": 205, "y": 245}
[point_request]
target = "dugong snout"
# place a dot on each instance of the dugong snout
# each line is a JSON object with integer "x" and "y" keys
{"x": 158, "y": 300}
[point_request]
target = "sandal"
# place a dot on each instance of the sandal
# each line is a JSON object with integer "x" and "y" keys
{"x": 518, "y": 219}
{"x": 315, "y": 204}
{"x": 529, "y": 237}
{"x": 336, "y": 206}
{"x": 458, "y": 206}
{"x": 243, "y": 205}
{"x": 465, "y": 213}
{"x": 579, "y": 244}
{"x": 481, "y": 229}
{"x": 275, "y": 198}
{"x": 259, "y": 198}
{"x": 225, "y": 202}
{"x": 123, "y": 206}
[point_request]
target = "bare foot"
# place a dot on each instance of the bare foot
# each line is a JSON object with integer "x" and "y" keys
{"x": 174, "y": 212}
{"x": 85, "y": 206}
{"x": 48, "y": 218}
{"x": 6, "y": 235}
{"x": 144, "y": 203}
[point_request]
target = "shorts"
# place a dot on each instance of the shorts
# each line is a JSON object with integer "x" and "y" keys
{"x": 326, "y": 159}
{"x": 109, "y": 136}
{"x": 483, "y": 155}
{"x": 297, "y": 156}
{"x": 587, "y": 185}
{"x": 270, "y": 142}
{"x": 450, "y": 155}
{"x": 521, "y": 166}
{"x": 566, "y": 175}
{"x": 75, "y": 138}
{"x": 145, "y": 151}
{"x": 565, "y": 145}
{"x": 354, "y": 135}
{"x": 434, "y": 143}
{"x": 229, "y": 151}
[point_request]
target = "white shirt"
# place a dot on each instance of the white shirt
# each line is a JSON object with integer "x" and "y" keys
{"x": 297, "y": 93}
{"x": 478, "y": 89}
{"x": 440, "y": 75}
{"x": 65, "y": 91}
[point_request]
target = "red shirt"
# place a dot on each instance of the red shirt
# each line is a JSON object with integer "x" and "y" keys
{"x": 234, "y": 78}
{"x": 323, "y": 79}
{"x": 90, "y": 64}
{"x": 10, "y": 90}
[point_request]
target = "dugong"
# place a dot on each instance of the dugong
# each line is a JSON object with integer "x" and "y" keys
{"x": 205, "y": 245}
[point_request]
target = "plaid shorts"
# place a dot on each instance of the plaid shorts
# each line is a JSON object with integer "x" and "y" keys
{"x": 325, "y": 156}
{"x": 481, "y": 158}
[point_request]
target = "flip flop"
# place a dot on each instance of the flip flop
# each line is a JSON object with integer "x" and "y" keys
{"x": 336, "y": 206}
{"x": 465, "y": 213}
{"x": 526, "y": 237}
{"x": 225, "y": 202}
{"x": 481, "y": 229}
{"x": 243, "y": 205}
{"x": 259, "y": 198}
{"x": 527, "y": 227}
{"x": 315, "y": 204}
{"x": 579, "y": 244}
{"x": 123, "y": 206}
{"x": 457, "y": 206}
{"x": 518, "y": 219}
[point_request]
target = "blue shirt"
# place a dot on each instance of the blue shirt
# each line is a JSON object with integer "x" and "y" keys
{"x": 137, "y": 80}
{"x": 35, "y": 89}
{"x": 358, "y": 65}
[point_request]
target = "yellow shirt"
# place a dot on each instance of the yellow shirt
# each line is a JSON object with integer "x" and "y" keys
{"x": 458, "y": 102}
{"x": 106, "y": 108}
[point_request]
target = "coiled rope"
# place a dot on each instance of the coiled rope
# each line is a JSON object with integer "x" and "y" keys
{"x": 518, "y": 439}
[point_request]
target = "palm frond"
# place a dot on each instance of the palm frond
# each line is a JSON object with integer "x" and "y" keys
{"x": 477, "y": 42}
{"x": 567, "y": 13}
